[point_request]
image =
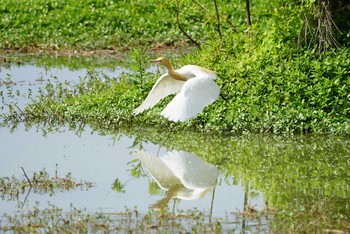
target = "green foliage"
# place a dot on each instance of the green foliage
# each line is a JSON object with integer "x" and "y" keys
{"x": 273, "y": 87}
{"x": 92, "y": 24}
{"x": 98, "y": 24}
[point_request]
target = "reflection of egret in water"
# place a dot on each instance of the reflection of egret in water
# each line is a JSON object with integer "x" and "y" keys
{"x": 182, "y": 174}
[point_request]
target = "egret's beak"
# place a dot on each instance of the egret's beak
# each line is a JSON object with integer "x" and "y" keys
{"x": 155, "y": 61}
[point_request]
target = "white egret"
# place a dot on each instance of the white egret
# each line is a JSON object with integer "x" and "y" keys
{"x": 182, "y": 174}
{"x": 195, "y": 87}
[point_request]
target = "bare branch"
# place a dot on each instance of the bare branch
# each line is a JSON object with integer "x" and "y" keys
{"x": 231, "y": 25}
{"x": 217, "y": 19}
{"x": 247, "y": 4}
{"x": 179, "y": 25}
{"x": 195, "y": 2}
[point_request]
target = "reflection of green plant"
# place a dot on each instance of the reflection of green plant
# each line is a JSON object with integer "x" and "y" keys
{"x": 153, "y": 188}
{"x": 293, "y": 173}
{"x": 40, "y": 182}
{"x": 136, "y": 168}
{"x": 118, "y": 186}
{"x": 320, "y": 216}
{"x": 253, "y": 194}
{"x": 55, "y": 220}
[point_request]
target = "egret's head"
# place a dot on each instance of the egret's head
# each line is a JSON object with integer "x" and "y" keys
{"x": 162, "y": 60}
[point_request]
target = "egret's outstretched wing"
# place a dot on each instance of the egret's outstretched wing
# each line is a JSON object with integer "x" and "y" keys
{"x": 161, "y": 173}
{"x": 195, "y": 95}
{"x": 164, "y": 86}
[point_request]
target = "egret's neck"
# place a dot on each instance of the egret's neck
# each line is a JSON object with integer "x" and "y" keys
{"x": 175, "y": 75}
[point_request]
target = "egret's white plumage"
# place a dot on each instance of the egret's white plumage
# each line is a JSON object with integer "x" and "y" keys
{"x": 195, "y": 87}
{"x": 183, "y": 174}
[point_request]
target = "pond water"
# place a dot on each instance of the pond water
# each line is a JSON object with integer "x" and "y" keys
{"x": 222, "y": 177}
{"x": 24, "y": 80}
{"x": 101, "y": 160}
